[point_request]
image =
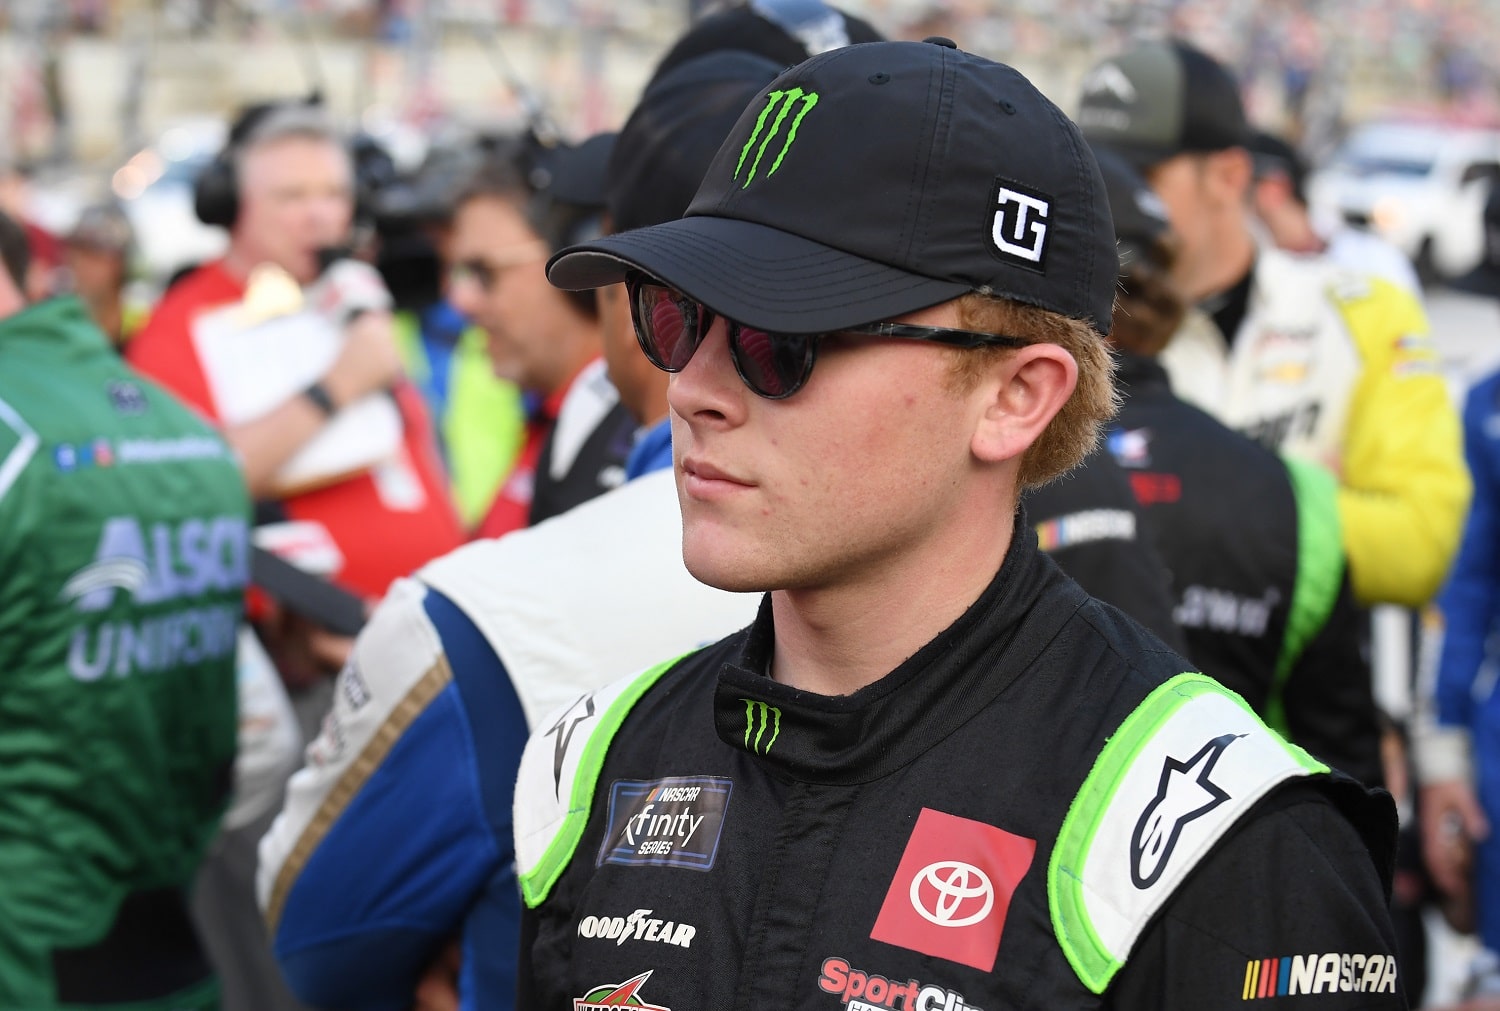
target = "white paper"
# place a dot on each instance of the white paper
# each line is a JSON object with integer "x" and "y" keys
{"x": 252, "y": 369}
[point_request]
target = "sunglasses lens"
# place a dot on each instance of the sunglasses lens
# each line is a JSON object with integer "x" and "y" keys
{"x": 773, "y": 365}
{"x": 669, "y": 326}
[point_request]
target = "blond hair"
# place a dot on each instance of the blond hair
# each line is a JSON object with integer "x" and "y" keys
{"x": 1074, "y": 432}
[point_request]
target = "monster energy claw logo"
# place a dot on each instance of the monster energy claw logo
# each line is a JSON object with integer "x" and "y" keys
{"x": 760, "y": 717}
{"x": 785, "y": 100}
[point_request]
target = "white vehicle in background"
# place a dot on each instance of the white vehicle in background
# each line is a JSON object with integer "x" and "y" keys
{"x": 1418, "y": 183}
{"x": 155, "y": 187}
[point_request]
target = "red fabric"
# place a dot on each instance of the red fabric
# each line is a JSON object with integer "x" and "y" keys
{"x": 379, "y": 543}
{"x": 511, "y": 509}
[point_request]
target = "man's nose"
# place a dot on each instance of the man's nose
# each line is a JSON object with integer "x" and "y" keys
{"x": 708, "y": 386}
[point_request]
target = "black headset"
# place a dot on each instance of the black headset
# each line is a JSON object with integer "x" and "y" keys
{"x": 216, "y": 193}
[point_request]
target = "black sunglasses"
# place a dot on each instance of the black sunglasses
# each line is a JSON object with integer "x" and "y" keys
{"x": 670, "y": 326}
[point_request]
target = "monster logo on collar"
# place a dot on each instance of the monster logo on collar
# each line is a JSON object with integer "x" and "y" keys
{"x": 759, "y": 717}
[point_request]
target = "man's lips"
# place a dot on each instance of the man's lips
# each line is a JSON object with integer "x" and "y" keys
{"x": 700, "y": 475}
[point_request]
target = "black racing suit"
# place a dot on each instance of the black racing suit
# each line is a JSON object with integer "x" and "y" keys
{"x": 1261, "y": 590}
{"x": 1090, "y": 523}
{"x": 703, "y": 837}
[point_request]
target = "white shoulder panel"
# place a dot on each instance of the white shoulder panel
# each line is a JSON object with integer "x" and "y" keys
{"x": 590, "y": 596}
{"x": 1176, "y": 776}
{"x": 559, "y": 771}
{"x": 396, "y": 670}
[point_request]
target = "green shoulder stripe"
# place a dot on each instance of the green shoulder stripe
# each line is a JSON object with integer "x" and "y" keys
{"x": 1320, "y": 572}
{"x": 565, "y": 758}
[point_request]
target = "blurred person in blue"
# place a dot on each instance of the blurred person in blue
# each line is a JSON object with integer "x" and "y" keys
{"x": 124, "y": 542}
{"x": 1456, "y": 745}
{"x": 396, "y": 838}
{"x": 1307, "y": 358}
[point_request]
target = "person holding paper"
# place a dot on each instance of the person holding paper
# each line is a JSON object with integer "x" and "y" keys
{"x": 282, "y": 349}
{"x": 287, "y": 199}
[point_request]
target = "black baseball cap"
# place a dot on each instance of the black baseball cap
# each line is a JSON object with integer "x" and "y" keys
{"x": 1139, "y": 215}
{"x": 876, "y": 180}
{"x": 1162, "y": 99}
{"x": 785, "y": 32}
{"x": 575, "y": 173}
{"x": 665, "y": 147}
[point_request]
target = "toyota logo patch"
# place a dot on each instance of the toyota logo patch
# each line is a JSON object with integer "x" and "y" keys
{"x": 952, "y": 893}
{"x": 952, "y": 889}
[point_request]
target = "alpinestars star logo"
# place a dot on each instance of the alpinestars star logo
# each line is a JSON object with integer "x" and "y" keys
{"x": 617, "y": 995}
{"x": 1183, "y": 793}
{"x": 759, "y": 718}
{"x": 564, "y": 728}
{"x": 781, "y": 103}
{"x": 1018, "y": 230}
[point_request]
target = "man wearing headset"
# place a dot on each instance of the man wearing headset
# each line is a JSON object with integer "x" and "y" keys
{"x": 285, "y": 192}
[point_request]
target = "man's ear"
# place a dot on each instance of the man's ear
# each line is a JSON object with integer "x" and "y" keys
{"x": 1021, "y": 397}
{"x": 1230, "y": 175}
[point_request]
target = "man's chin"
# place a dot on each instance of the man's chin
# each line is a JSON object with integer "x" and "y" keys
{"x": 719, "y": 572}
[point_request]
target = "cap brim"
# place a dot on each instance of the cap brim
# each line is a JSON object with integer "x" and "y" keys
{"x": 754, "y": 274}
{"x": 1140, "y": 157}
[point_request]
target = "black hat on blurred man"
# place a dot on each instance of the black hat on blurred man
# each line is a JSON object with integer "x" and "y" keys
{"x": 1159, "y": 100}
{"x": 666, "y": 145}
{"x": 782, "y": 31}
{"x": 1139, "y": 215}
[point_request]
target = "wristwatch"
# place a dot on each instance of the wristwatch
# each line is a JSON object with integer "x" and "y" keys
{"x": 321, "y": 399}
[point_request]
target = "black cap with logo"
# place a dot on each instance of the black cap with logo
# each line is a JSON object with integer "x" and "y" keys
{"x": 876, "y": 180}
{"x": 1159, "y": 100}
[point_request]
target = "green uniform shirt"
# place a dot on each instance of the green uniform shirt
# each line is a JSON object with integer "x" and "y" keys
{"x": 123, "y": 558}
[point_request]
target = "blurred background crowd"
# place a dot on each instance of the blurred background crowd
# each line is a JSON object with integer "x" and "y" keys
{"x": 125, "y": 101}
{"x": 113, "y": 111}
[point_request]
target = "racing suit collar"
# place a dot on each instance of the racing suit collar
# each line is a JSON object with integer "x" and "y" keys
{"x": 1140, "y": 374}
{"x": 858, "y": 738}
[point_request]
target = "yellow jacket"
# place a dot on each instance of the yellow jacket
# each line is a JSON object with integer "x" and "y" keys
{"x": 1341, "y": 370}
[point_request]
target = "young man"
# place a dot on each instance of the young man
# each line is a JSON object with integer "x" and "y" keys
{"x": 1303, "y": 356}
{"x": 933, "y": 773}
